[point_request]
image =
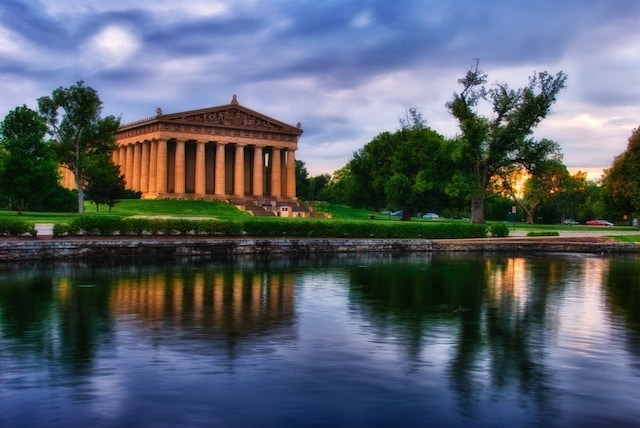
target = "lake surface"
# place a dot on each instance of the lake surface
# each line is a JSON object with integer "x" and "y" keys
{"x": 379, "y": 340}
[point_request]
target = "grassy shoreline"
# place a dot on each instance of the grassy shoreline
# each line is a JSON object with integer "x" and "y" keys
{"x": 222, "y": 211}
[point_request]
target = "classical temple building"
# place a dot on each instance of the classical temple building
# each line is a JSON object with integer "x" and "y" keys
{"x": 227, "y": 153}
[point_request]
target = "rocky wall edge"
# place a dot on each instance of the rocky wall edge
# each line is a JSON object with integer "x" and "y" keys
{"x": 90, "y": 248}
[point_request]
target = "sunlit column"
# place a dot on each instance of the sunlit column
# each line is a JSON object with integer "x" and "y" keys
{"x": 128, "y": 175}
{"x": 276, "y": 179}
{"x": 179, "y": 168}
{"x": 220, "y": 169}
{"x": 144, "y": 167}
{"x": 161, "y": 173}
{"x": 201, "y": 176}
{"x": 258, "y": 171}
{"x": 153, "y": 165}
{"x": 291, "y": 174}
{"x": 238, "y": 176}
{"x": 122, "y": 159}
{"x": 137, "y": 157}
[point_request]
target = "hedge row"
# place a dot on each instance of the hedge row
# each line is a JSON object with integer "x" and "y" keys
{"x": 108, "y": 226}
{"x": 16, "y": 227}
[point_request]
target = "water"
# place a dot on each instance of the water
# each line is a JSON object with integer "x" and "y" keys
{"x": 380, "y": 340}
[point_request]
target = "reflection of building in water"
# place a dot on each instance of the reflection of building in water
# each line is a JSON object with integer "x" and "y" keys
{"x": 234, "y": 302}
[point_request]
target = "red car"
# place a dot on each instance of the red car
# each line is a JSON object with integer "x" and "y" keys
{"x": 599, "y": 223}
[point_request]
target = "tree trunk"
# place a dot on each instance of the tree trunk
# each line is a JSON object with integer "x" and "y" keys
{"x": 477, "y": 208}
{"x": 80, "y": 190}
{"x": 529, "y": 216}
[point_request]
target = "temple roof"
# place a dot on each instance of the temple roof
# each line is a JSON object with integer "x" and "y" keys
{"x": 232, "y": 115}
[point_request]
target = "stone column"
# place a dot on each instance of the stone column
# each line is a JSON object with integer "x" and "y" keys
{"x": 258, "y": 172}
{"x": 161, "y": 165}
{"x": 238, "y": 176}
{"x": 144, "y": 168}
{"x": 276, "y": 173}
{"x": 122, "y": 159}
{"x": 201, "y": 176}
{"x": 291, "y": 174}
{"x": 220, "y": 170}
{"x": 153, "y": 165}
{"x": 128, "y": 174}
{"x": 137, "y": 157}
{"x": 179, "y": 168}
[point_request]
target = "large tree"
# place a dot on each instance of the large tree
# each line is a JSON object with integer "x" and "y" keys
{"x": 622, "y": 181}
{"x": 489, "y": 144}
{"x": 80, "y": 133}
{"x": 546, "y": 182}
{"x": 30, "y": 171}
{"x": 405, "y": 170}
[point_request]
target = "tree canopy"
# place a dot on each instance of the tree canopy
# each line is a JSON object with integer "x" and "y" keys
{"x": 622, "y": 180}
{"x": 405, "y": 170}
{"x": 489, "y": 144}
{"x": 29, "y": 169}
{"x": 80, "y": 133}
{"x": 105, "y": 184}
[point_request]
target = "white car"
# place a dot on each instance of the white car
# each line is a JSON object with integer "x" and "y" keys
{"x": 430, "y": 216}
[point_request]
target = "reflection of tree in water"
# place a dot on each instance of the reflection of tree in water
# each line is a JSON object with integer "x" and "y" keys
{"x": 622, "y": 287}
{"x": 501, "y": 308}
{"x": 63, "y": 322}
{"x": 26, "y": 306}
{"x": 407, "y": 297}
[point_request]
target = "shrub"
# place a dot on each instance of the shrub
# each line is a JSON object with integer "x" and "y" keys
{"x": 95, "y": 225}
{"x": 16, "y": 227}
{"x": 499, "y": 229}
{"x": 136, "y": 226}
{"x": 553, "y": 233}
{"x": 304, "y": 228}
{"x": 61, "y": 229}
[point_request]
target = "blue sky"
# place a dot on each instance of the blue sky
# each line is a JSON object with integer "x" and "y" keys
{"x": 346, "y": 69}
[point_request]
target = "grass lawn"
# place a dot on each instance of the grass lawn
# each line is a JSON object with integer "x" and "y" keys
{"x": 631, "y": 238}
{"x": 140, "y": 207}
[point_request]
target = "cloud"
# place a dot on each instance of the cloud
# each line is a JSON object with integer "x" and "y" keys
{"x": 345, "y": 69}
{"x": 109, "y": 48}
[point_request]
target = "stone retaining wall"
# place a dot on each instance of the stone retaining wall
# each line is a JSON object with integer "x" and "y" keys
{"x": 88, "y": 248}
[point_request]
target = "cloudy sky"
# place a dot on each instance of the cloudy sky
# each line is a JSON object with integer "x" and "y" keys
{"x": 346, "y": 69}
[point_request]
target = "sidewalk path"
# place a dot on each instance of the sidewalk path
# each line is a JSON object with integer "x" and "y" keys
{"x": 44, "y": 229}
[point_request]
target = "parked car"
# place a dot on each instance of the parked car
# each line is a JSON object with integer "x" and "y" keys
{"x": 599, "y": 223}
{"x": 571, "y": 222}
{"x": 398, "y": 213}
{"x": 430, "y": 216}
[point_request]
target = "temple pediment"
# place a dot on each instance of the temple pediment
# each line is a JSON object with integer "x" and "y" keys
{"x": 230, "y": 116}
